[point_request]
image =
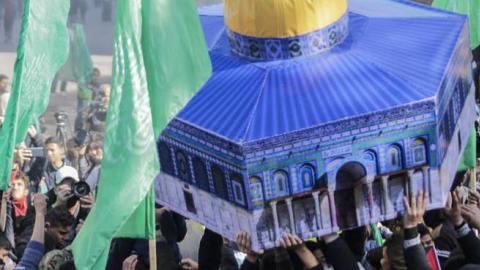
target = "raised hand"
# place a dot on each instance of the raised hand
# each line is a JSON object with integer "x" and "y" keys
{"x": 474, "y": 198}
{"x": 454, "y": 208}
{"x": 40, "y": 203}
{"x": 471, "y": 213}
{"x": 130, "y": 263}
{"x": 295, "y": 243}
{"x": 415, "y": 209}
{"x": 291, "y": 241}
{"x": 244, "y": 244}
{"x": 189, "y": 264}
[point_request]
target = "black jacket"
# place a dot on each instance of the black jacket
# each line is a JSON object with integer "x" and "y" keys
{"x": 415, "y": 256}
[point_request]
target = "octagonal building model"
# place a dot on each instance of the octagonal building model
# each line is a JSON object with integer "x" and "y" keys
{"x": 319, "y": 116}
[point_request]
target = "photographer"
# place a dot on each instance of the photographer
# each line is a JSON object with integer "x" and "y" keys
{"x": 85, "y": 95}
{"x": 97, "y": 112}
{"x": 74, "y": 195}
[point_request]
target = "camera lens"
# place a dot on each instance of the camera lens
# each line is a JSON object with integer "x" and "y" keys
{"x": 80, "y": 189}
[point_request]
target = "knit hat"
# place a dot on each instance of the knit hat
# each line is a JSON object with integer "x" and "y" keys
{"x": 66, "y": 172}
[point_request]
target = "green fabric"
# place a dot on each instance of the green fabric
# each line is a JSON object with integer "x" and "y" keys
{"x": 469, "y": 159}
{"x": 179, "y": 44}
{"x": 471, "y": 8}
{"x": 377, "y": 235}
{"x": 79, "y": 66}
{"x": 157, "y": 64}
{"x": 42, "y": 50}
{"x": 84, "y": 93}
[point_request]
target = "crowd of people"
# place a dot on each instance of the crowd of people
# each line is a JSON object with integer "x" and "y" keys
{"x": 53, "y": 182}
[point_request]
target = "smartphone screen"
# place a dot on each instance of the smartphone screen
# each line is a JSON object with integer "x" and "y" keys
{"x": 37, "y": 151}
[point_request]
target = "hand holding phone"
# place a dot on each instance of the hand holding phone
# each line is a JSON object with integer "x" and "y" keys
{"x": 37, "y": 152}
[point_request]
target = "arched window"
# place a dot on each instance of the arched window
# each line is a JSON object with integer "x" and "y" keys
{"x": 419, "y": 152}
{"x": 165, "y": 158}
{"x": 307, "y": 174}
{"x": 256, "y": 190}
{"x": 237, "y": 187}
{"x": 280, "y": 180}
{"x": 182, "y": 165}
{"x": 219, "y": 181}
{"x": 201, "y": 175}
{"x": 394, "y": 157}
{"x": 372, "y": 156}
{"x": 369, "y": 155}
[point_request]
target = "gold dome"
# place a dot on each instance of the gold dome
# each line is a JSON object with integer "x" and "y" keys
{"x": 281, "y": 18}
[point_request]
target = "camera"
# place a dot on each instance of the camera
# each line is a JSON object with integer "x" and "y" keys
{"x": 79, "y": 190}
{"x": 61, "y": 118}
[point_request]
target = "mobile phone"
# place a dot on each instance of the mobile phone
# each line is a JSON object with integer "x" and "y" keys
{"x": 37, "y": 151}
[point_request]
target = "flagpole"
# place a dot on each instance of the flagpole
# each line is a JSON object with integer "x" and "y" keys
{"x": 152, "y": 248}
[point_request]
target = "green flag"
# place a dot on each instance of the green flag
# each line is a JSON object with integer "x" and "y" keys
{"x": 469, "y": 159}
{"x": 377, "y": 235}
{"x": 42, "y": 50}
{"x": 178, "y": 43}
{"x": 79, "y": 66}
{"x": 160, "y": 61}
{"x": 471, "y": 8}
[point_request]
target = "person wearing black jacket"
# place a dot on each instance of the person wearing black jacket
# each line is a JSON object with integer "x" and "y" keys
{"x": 467, "y": 240}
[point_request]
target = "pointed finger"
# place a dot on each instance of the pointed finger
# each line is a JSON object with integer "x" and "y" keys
{"x": 414, "y": 201}
{"x": 425, "y": 201}
{"x": 248, "y": 242}
{"x": 297, "y": 240}
{"x": 407, "y": 204}
{"x": 448, "y": 205}
{"x": 456, "y": 199}
{"x": 282, "y": 243}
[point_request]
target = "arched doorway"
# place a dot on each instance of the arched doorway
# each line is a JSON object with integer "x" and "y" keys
{"x": 345, "y": 200}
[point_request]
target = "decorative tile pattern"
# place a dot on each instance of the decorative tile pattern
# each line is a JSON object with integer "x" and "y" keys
{"x": 269, "y": 49}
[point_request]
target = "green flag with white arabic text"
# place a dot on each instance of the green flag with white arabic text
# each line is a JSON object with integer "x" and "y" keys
{"x": 160, "y": 61}
{"x": 42, "y": 50}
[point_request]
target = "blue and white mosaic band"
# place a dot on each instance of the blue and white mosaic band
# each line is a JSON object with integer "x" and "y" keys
{"x": 291, "y": 47}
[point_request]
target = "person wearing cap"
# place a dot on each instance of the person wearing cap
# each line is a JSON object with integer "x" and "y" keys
{"x": 65, "y": 178}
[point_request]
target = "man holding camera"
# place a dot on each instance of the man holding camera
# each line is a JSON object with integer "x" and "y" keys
{"x": 72, "y": 194}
